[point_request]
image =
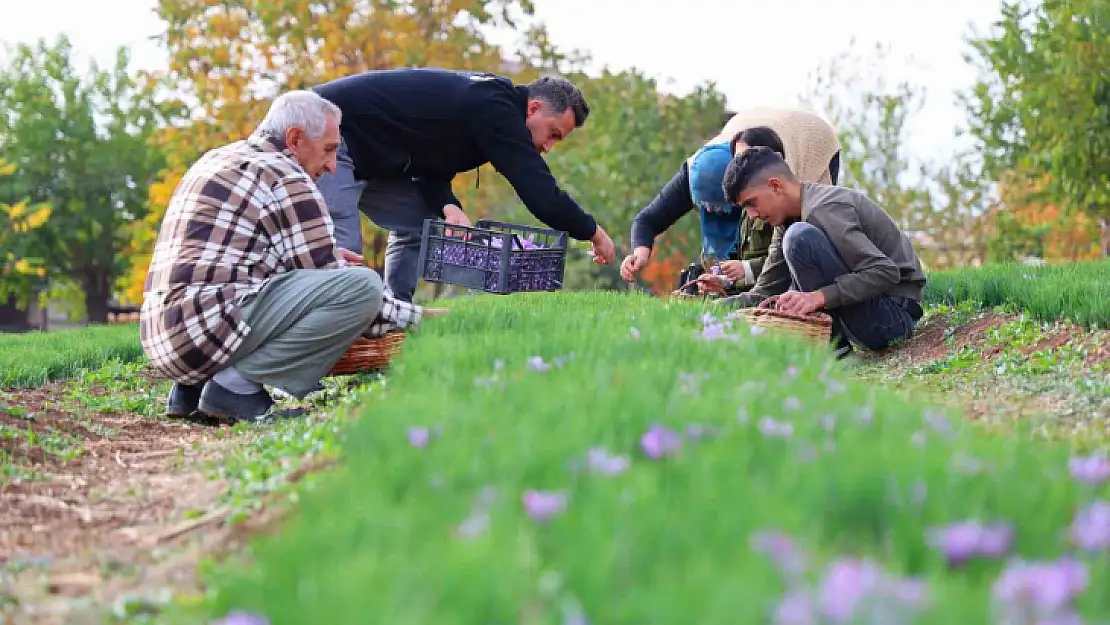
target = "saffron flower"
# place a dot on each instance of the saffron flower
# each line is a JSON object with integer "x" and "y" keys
{"x": 1090, "y": 469}
{"x": 543, "y": 505}
{"x": 536, "y": 363}
{"x": 660, "y": 441}
{"x": 601, "y": 461}
{"x": 961, "y": 542}
{"x": 1090, "y": 530}
{"x": 419, "y": 436}
{"x": 776, "y": 429}
{"x": 239, "y": 617}
{"x": 1039, "y": 590}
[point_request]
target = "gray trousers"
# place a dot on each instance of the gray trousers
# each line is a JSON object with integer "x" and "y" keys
{"x": 394, "y": 204}
{"x": 302, "y": 322}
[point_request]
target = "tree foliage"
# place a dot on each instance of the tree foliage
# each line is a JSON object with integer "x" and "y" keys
{"x": 21, "y": 246}
{"x": 939, "y": 206}
{"x": 80, "y": 143}
{"x": 1042, "y": 104}
{"x": 228, "y": 59}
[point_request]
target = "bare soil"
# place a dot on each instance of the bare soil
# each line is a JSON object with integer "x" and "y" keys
{"x": 134, "y": 508}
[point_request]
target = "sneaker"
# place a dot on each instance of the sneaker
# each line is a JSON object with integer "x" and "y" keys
{"x": 842, "y": 347}
{"x": 183, "y": 401}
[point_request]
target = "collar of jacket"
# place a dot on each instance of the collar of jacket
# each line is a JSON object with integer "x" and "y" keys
{"x": 269, "y": 143}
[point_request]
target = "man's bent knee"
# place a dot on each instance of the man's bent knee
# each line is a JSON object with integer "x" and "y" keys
{"x": 363, "y": 283}
{"x": 801, "y": 238}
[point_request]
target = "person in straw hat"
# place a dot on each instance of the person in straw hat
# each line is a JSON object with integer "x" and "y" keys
{"x": 839, "y": 252}
{"x": 246, "y": 285}
{"x": 738, "y": 243}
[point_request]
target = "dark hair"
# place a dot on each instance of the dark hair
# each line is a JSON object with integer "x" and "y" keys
{"x": 751, "y": 167}
{"x": 559, "y": 94}
{"x": 758, "y": 136}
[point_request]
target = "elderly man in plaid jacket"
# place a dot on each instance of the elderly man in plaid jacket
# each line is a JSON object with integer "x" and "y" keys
{"x": 246, "y": 286}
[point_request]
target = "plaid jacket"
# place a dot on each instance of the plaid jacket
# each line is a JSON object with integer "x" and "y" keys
{"x": 242, "y": 213}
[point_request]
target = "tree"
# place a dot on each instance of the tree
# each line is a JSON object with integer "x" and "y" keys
{"x": 1042, "y": 105}
{"x": 941, "y": 208}
{"x": 21, "y": 265}
{"x": 80, "y": 145}
{"x": 230, "y": 59}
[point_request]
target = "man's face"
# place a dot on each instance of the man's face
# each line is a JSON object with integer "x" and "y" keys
{"x": 765, "y": 201}
{"x": 317, "y": 156}
{"x": 547, "y": 128}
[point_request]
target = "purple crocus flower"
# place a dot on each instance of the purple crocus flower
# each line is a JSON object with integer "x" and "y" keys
{"x": 1090, "y": 469}
{"x": 796, "y": 608}
{"x": 601, "y": 461}
{"x": 660, "y": 441}
{"x": 777, "y": 429}
{"x": 419, "y": 436}
{"x": 1090, "y": 530}
{"x": 1043, "y": 589}
{"x": 543, "y": 505}
{"x": 851, "y": 586}
{"x": 791, "y": 403}
{"x": 635, "y": 333}
{"x": 536, "y": 363}
{"x": 783, "y": 551}
{"x": 962, "y": 541}
{"x": 239, "y": 617}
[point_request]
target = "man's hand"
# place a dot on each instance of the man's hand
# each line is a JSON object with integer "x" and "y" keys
{"x": 455, "y": 216}
{"x": 710, "y": 284}
{"x": 347, "y": 257}
{"x": 799, "y": 303}
{"x": 733, "y": 269}
{"x": 635, "y": 262}
{"x": 602, "y": 248}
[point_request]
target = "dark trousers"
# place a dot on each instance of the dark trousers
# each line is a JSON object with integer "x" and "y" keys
{"x": 814, "y": 263}
{"x": 393, "y": 204}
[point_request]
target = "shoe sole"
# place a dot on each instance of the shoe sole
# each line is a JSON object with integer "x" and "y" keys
{"x": 219, "y": 415}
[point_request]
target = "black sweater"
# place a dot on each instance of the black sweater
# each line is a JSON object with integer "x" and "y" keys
{"x": 670, "y": 204}
{"x": 431, "y": 124}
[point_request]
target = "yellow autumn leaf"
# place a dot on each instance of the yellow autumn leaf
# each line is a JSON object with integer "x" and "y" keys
{"x": 15, "y": 211}
{"x": 23, "y": 267}
{"x": 6, "y": 168}
{"x": 39, "y": 217}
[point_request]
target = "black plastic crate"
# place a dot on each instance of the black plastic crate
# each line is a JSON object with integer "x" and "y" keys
{"x": 493, "y": 256}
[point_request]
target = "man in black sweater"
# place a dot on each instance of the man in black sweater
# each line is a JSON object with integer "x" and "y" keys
{"x": 406, "y": 133}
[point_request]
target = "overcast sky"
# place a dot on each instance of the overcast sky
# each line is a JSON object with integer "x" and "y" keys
{"x": 740, "y": 44}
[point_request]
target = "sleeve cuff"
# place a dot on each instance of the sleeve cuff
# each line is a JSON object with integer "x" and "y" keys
{"x": 749, "y": 277}
{"x": 832, "y": 296}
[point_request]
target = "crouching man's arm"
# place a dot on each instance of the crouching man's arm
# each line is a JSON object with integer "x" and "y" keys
{"x": 399, "y": 315}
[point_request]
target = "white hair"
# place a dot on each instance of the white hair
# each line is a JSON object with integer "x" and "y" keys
{"x": 302, "y": 109}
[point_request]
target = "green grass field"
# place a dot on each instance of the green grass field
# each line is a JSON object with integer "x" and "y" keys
{"x": 488, "y": 487}
{"x": 35, "y": 358}
{"x": 1078, "y": 292}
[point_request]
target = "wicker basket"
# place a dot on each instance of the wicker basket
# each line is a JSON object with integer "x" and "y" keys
{"x": 369, "y": 355}
{"x": 816, "y": 327}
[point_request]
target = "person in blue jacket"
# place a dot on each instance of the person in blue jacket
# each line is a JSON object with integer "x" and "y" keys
{"x": 406, "y": 133}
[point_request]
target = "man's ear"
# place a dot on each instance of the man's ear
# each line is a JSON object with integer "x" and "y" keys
{"x": 293, "y": 137}
{"x": 534, "y": 107}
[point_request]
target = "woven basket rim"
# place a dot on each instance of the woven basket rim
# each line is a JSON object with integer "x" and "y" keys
{"x": 815, "y": 318}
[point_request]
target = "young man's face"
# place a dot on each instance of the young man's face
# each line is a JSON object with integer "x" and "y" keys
{"x": 766, "y": 201}
{"x": 548, "y": 128}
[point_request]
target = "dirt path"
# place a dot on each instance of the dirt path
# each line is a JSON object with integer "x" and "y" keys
{"x": 99, "y": 505}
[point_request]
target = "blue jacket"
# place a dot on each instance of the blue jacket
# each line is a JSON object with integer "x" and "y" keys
{"x": 430, "y": 124}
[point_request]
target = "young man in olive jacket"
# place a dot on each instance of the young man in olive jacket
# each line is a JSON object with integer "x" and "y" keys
{"x": 840, "y": 252}
{"x": 406, "y": 133}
